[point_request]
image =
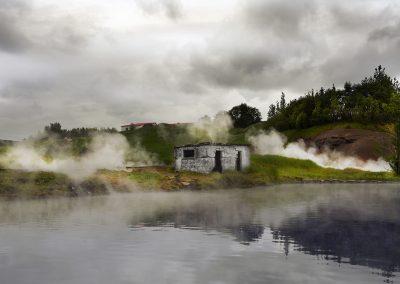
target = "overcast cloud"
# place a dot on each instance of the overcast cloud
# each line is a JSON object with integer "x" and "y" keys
{"x": 105, "y": 63}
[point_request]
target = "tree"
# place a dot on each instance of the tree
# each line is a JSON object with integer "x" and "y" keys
{"x": 53, "y": 128}
{"x": 283, "y": 101}
{"x": 375, "y": 99}
{"x": 301, "y": 120}
{"x": 272, "y": 111}
{"x": 395, "y": 161}
{"x": 244, "y": 115}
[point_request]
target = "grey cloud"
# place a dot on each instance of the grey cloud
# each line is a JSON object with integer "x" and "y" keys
{"x": 23, "y": 28}
{"x": 236, "y": 69}
{"x": 12, "y": 38}
{"x": 280, "y": 17}
{"x": 170, "y": 8}
{"x": 390, "y": 33}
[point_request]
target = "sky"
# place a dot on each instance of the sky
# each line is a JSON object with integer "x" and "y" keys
{"x": 101, "y": 63}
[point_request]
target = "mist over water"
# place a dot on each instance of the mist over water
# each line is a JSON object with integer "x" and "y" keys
{"x": 274, "y": 143}
{"x": 282, "y": 234}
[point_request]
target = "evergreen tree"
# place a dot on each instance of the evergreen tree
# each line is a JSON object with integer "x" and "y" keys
{"x": 283, "y": 101}
{"x": 271, "y": 111}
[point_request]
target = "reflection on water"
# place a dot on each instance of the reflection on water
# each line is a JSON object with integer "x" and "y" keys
{"x": 353, "y": 235}
{"x": 208, "y": 217}
{"x": 283, "y": 234}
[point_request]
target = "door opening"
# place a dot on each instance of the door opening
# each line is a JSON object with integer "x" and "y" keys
{"x": 218, "y": 162}
{"x": 239, "y": 161}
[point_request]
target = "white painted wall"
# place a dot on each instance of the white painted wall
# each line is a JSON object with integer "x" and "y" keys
{"x": 204, "y": 160}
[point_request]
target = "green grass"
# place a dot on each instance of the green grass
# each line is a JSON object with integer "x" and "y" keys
{"x": 22, "y": 184}
{"x": 282, "y": 169}
{"x": 146, "y": 179}
{"x": 159, "y": 140}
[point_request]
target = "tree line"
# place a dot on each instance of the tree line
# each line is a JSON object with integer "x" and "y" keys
{"x": 56, "y": 129}
{"x": 375, "y": 99}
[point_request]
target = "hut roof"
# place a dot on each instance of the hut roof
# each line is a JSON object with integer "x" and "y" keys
{"x": 210, "y": 144}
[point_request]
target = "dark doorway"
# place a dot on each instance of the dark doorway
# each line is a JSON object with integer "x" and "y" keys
{"x": 239, "y": 161}
{"x": 218, "y": 163}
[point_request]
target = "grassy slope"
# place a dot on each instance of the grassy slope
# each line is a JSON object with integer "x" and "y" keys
{"x": 289, "y": 169}
{"x": 263, "y": 170}
{"x": 161, "y": 139}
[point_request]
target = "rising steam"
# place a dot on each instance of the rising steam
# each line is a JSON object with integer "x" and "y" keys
{"x": 274, "y": 143}
{"x": 212, "y": 129}
{"x": 106, "y": 151}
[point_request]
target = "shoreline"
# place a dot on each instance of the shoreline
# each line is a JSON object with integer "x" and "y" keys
{"x": 61, "y": 186}
{"x": 84, "y": 193}
{"x": 264, "y": 171}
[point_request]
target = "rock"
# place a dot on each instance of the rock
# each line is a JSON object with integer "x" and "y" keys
{"x": 365, "y": 144}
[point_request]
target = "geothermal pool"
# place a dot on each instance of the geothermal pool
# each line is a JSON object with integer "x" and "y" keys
{"x": 282, "y": 234}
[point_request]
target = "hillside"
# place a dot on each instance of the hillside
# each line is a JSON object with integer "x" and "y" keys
{"x": 367, "y": 141}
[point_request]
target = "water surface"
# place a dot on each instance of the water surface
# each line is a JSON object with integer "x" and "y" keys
{"x": 283, "y": 234}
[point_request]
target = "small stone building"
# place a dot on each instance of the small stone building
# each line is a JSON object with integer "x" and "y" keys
{"x": 209, "y": 157}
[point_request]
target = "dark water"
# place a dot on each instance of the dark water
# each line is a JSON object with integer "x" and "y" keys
{"x": 283, "y": 234}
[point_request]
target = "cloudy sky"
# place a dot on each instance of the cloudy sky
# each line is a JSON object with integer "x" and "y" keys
{"x": 105, "y": 63}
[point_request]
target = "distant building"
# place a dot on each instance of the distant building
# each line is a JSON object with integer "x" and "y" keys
{"x": 209, "y": 157}
{"x": 136, "y": 125}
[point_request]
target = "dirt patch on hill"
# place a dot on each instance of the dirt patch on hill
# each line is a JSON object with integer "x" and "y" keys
{"x": 365, "y": 144}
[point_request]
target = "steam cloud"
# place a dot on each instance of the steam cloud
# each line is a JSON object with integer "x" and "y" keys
{"x": 215, "y": 129}
{"x": 274, "y": 142}
{"x": 106, "y": 151}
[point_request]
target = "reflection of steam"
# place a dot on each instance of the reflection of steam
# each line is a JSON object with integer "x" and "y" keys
{"x": 207, "y": 217}
{"x": 274, "y": 143}
{"x": 106, "y": 151}
{"x": 215, "y": 129}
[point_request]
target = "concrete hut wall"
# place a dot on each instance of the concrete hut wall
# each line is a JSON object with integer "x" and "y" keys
{"x": 204, "y": 159}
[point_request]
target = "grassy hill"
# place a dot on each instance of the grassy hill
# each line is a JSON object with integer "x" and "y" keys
{"x": 161, "y": 139}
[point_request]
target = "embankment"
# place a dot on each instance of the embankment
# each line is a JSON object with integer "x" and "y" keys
{"x": 264, "y": 170}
